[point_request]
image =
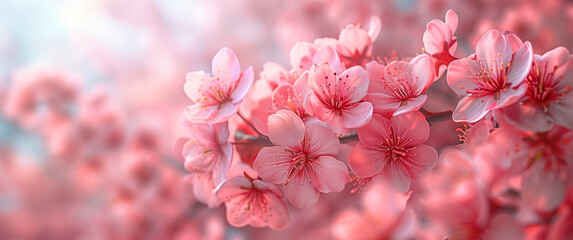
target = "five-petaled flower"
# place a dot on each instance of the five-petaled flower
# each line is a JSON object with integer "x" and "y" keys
{"x": 336, "y": 97}
{"x": 249, "y": 200}
{"x": 393, "y": 149}
{"x": 217, "y": 98}
{"x": 492, "y": 78}
{"x": 302, "y": 159}
{"x": 398, "y": 88}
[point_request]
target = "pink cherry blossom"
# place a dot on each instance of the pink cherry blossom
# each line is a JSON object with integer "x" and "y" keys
{"x": 398, "y": 89}
{"x": 287, "y": 94}
{"x": 440, "y": 42}
{"x": 302, "y": 159}
{"x": 336, "y": 97}
{"x": 216, "y": 99}
{"x": 255, "y": 202}
{"x": 291, "y": 97}
{"x": 354, "y": 44}
{"x": 547, "y": 100}
{"x": 492, "y": 78}
{"x": 207, "y": 151}
{"x": 393, "y": 149}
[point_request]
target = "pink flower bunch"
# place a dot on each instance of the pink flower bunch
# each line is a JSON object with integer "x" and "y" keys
{"x": 313, "y": 109}
{"x": 342, "y": 115}
{"x": 372, "y": 120}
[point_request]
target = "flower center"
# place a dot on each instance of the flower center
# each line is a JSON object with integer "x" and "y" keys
{"x": 397, "y": 151}
{"x": 215, "y": 92}
{"x": 401, "y": 84}
{"x": 542, "y": 89}
{"x": 298, "y": 164}
{"x": 335, "y": 94}
{"x": 491, "y": 80}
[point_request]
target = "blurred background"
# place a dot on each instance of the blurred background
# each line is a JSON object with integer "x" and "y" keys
{"x": 91, "y": 98}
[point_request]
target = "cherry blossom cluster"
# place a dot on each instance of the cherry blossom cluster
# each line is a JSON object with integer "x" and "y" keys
{"x": 340, "y": 119}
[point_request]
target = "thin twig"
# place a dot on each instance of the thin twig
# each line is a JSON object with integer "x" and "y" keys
{"x": 250, "y": 124}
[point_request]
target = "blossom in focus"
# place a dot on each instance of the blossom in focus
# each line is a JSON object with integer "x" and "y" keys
{"x": 336, "y": 97}
{"x": 440, "y": 42}
{"x": 490, "y": 79}
{"x": 250, "y": 200}
{"x": 302, "y": 159}
{"x": 393, "y": 149}
{"x": 397, "y": 88}
{"x": 217, "y": 98}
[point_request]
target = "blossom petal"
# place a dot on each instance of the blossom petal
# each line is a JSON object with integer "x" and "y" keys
{"x": 203, "y": 185}
{"x": 493, "y": 48}
{"x": 353, "y": 39}
{"x": 192, "y": 85}
{"x": 458, "y": 72}
{"x": 452, "y": 20}
{"x": 357, "y": 116}
{"x": 557, "y": 58}
{"x": 470, "y": 109}
{"x": 423, "y": 74}
{"x": 426, "y": 158}
{"x": 225, "y": 66}
{"x": 327, "y": 54}
{"x": 395, "y": 176}
{"x": 267, "y": 164}
{"x": 437, "y": 32}
{"x": 243, "y": 85}
{"x": 322, "y": 78}
{"x": 286, "y": 129}
{"x": 277, "y": 213}
{"x": 520, "y": 65}
{"x": 198, "y": 113}
{"x": 301, "y": 193}
{"x": 374, "y": 28}
{"x": 413, "y": 104}
{"x": 412, "y": 126}
{"x": 561, "y": 112}
{"x": 329, "y": 175}
{"x": 322, "y": 139}
{"x": 353, "y": 84}
{"x": 375, "y": 131}
{"x": 382, "y": 102}
{"x": 237, "y": 216}
{"x": 233, "y": 187}
{"x": 528, "y": 117}
{"x": 365, "y": 161}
